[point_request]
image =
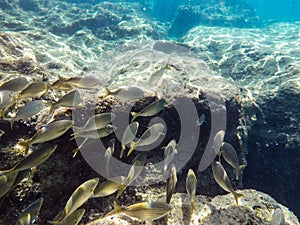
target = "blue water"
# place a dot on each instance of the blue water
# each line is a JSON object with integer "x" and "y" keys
{"x": 278, "y": 10}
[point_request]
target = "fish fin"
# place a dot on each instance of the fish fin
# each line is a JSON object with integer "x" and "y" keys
{"x": 116, "y": 209}
{"x": 3, "y": 172}
{"x": 122, "y": 151}
{"x": 51, "y": 107}
{"x": 134, "y": 116}
{"x": 121, "y": 190}
{"x": 23, "y": 145}
{"x": 11, "y": 121}
{"x": 75, "y": 151}
{"x": 107, "y": 91}
{"x": 53, "y": 222}
{"x": 238, "y": 171}
{"x": 237, "y": 196}
{"x": 132, "y": 146}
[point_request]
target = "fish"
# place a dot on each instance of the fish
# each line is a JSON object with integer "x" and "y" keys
{"x": 30, "y": 109}
{"x": 201, "y": 120}
{"x": 6, "y": 182}
{"x": 15, "y": 85}
{"x": 278, "y": 217}
{"x": 125, "y": 93}
{"x": 2, "y": 132}
{"x": 95, "y": 122}
{"x": 191, "y": 185}
{"x": 70, "y": 99}
{"x": 20, "y": 176}
{"x": 74, "y": 218}
{"x": 210, "y": 153}
{"x": 146, "y": 211}
{"x": 135, "y": 170}
{"x": 77, "y": 199}
{"x": 85, "y": 82}
{"x": 96, "y": 134}
{"x": 29, "y": 215}
{"x": 108, "y": 153}
{"x": 7, "y": 99}
{"x": 171, "y": 183}
{"x": 108, "y": 187}
{"x": 157, "y": 75}
{"x": 34, "y": 159}
{"x": 169, "y": 153}
{"x": 229, "y": 154}
{"x": 61, "y": 85}
{"x": 46, "y": 133}
{"x": 33, "y": 90}
{"x": 150, "y": 136}
{"x": 223, "y": 181}
{"x": 129, "y": 135}
{"x": 150, "y": 110}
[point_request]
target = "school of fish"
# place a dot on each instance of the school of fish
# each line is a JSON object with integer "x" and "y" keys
{"x": 21, "y": 99}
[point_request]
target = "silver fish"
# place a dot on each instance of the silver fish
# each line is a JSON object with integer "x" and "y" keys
{"x": 148, "y": 211}
{"x": 33, "y": 90}
{"x": 30, "y": 109}
{"x": 32, "y": 160}
{"x": 169, "y": 153}
{"x": 6, "y": 182}
{"x": 191, "y": 185}
{"x": 171, "y": 183}
{"x": 46, "y": 133}
{"x": 96, "y": 134}
{"x": 70, "y": 99}
{"x": 77, "y": 199}
{"x": 72, "y": 219}
{"x": 150, "y": 136}
{"x": 157, "y": 75}
{"x": 20, "y": 176}
{"x": 85, "y": 82}
{"x": 278, "y": 217}
{"x": 210, "y": 153}
{"x": 29, "y": 215}
{"x": 108, "y": 187}
{"x": 231, "y": 158}
{"x": 125, "y": 93}
{"x": 135, "y": 170}
{"x": 129, "y": 135}
{"x": 15, "y": 85}
{"x": 108, "y": 154}
{"x": 7, "y": 99}
{"x": 150, "y": 110}
{"x": 95, "y": 122}
{"x": 223, "y": 181}
{"x": 61, "y": 85}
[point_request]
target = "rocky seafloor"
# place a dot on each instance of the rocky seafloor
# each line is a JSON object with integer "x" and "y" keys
{"x": 254, "y": 71}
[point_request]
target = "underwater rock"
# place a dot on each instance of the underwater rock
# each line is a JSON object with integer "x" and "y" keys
{"x": 256, "y": 208}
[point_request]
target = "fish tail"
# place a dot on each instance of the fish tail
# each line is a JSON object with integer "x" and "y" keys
{"x": 122, "y": 151}
{"x": 24, "y": 145}
{"x": 107, "y": 91}
{"x": 134, "y": 116}
{"x": 238, "y": 171}
{"x": 51, "y": 108}
{"x": 116, "y": 209}
{"x": 237, "y": 196}
{"x": 11, "y": 121}
{"x": 121, "y": 190}
{"x": 132, "y": 147}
